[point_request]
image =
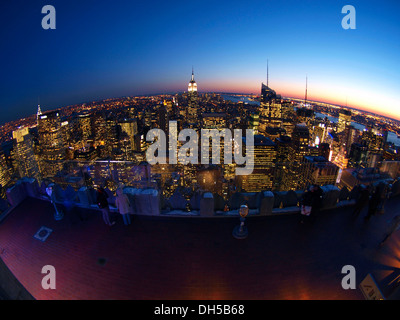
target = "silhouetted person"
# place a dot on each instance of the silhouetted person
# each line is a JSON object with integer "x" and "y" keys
{"x": 362, "y": 201}
{"x": 316, "y": 202}
{"x": 305, "y": 206}
{"x": 103, "y": 205}
{"x": 373, "y": 203}
{"x": 124, "y": 206}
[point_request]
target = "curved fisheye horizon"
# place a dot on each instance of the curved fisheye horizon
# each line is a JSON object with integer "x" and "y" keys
{"x": 229, "y": 151}
{"x": 297, "y": 95}
{"x": 130, "y": 48}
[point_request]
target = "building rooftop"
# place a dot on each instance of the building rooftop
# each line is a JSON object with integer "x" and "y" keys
{"x": 197, "y": 258}
{"x": 316, "y": 159}
{"x": 260, "y": 140}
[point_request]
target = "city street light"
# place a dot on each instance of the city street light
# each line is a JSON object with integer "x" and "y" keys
{"x": 240, "y": 231}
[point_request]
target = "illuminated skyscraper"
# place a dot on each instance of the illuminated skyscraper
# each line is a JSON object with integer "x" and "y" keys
{"x": 210, "y": 179}
{"x": 318, "y": 170}
{"x": 283, "y": 149}
{"x": 218, "y": 120}
{"x": 352, "y": 135}
{"x": 305, "y": 115}
{"x": 39, "y": 113}
{"x": 51, "y": 144}
{"x": 85, "y": 128}
{"x": 375, "y": 141}
{"x": 99, "y": 128}
{"x": 24, "y": 159}
{"x": 270, "y": 109}
{"x": 215, "y": 120}
{"x": 129, "y": 127}
{"x": 5, "y": 175}
{"x": 344, "y": 120}
{"x": 111, "y": 138}
{"x": 169, "y": 104}
{"x": 288, "y": 117}
{"x": 254, "y": 121}
{"x": 324, "y": 150}
{"x": 300, "y": 142}
{"x": 261, "y": 179}
{"x": 129, "y": 131}
{"x": 298, "y": 150}
{"x": 162, "y": 118}
{"x": 193, "y": 105}
{"x": 358, "y": 155}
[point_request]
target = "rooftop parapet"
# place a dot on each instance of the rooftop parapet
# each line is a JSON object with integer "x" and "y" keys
{"x": 149, "y": 201}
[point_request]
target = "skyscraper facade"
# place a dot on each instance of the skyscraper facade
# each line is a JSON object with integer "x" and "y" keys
{"x": 5, "y": 175}
{"x": 270, "y": 110}
{"x": 318, "y": 170}
{"x": 193, "y": 105}
{"x": 51, "y": 144}
{"x": 283, "y": 149}
{"x": 344, "y": 120}
{"x": 298, "y": 150}
{"x": 24, "y": 158}
{"x": 262, "y": 177}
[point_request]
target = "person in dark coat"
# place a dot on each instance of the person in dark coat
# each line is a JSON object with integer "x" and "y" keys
{"x": 361, "y": 202}
{"x": 124, "y": 206}
{"x": 305, "y": 206}
{"x": 103, "y": 205}
{"x": 373, "y": 203}
{"x": 316, "y": 201}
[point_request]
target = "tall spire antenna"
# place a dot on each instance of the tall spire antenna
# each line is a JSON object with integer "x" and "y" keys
{"x": 192, "y": 74}
{"x": 305, "y": 99}
{"x": 267, "y": 73}
{"x": 39, "y": 112}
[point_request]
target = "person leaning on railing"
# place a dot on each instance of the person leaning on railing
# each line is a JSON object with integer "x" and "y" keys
{"x": 103, "y": 205}
{"x": 124, "y": 206}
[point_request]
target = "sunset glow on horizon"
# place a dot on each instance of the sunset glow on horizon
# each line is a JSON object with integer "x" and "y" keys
{"x": 128, "y": 48}
{"x": 365, "y": 101}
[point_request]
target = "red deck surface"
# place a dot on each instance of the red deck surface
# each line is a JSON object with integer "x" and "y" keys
{"x": 196, "y": 258}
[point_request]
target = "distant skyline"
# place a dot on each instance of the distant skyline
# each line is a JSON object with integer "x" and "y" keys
{"x": 106, "y": 50}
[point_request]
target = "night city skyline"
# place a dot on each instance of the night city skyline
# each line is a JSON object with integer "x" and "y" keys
{"x": 130, "y": 49}
{"x": 212, "y": 150}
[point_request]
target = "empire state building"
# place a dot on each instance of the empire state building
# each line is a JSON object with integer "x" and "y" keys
{"x": 192, "y": 110}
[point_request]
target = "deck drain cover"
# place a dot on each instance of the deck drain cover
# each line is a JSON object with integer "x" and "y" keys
{"x": 43, "y": 233}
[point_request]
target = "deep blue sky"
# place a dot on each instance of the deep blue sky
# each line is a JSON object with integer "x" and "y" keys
{"x": 104, "y": 49}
